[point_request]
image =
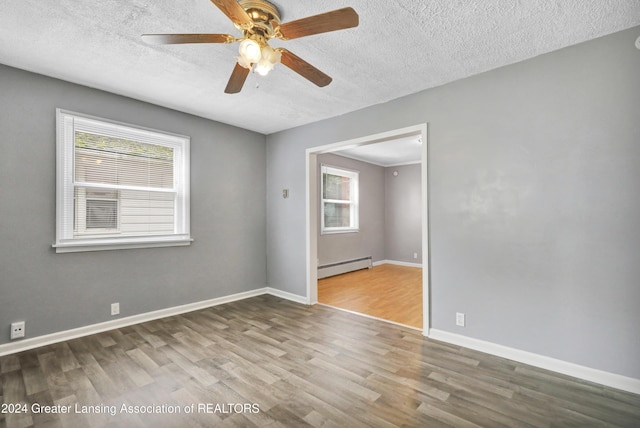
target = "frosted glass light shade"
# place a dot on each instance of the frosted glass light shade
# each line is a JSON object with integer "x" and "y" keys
{"x": 249, "y": 51}
{"x": 271, "y": 55}
{"x": 269, "y": 58}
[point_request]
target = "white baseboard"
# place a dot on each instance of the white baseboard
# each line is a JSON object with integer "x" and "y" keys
{"x": 395, "y": 262}
{"x": 61, "y": 336}
{"x": 586, "y": 373}
{"x": 604, "y": 378}
{"x": 288, "y": 296}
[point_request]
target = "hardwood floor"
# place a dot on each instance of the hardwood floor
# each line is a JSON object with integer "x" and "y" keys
{"x": 387, "y": 291}
{"x": 268, "y": 362}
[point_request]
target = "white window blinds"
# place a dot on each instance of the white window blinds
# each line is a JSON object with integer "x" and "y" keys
{"x": 119, "y": 185}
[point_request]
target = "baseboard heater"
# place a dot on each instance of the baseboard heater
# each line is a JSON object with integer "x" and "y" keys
{"x": 332, "y": 269}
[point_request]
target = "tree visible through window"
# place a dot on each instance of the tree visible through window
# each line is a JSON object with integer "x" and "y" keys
{"x": 339, "y": 200}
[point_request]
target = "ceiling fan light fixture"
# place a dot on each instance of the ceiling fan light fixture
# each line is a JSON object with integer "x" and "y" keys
{"x": 249, "y": 52}
{"x": 263, "y": 67}
{"x": 242, "y": 62}
{"x": 259, "y": 22}
{"x": 271, "y": 55}
{"x": 269, "y": 58}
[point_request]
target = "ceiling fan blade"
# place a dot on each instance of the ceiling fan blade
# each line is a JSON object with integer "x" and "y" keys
{"x": 303, "y": 68}
{"x": 323, "y": 23}
{"x": 234, "y": 12}
{"x": 168, "y": 39}
{"x": 236, "y": 81}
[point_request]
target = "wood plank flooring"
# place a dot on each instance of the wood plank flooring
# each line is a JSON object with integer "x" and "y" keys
{"x": 387, "y": 291}
{"x": 268, "y": 362}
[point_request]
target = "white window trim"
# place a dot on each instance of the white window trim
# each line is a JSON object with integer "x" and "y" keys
{"x": 355, "y": 191}
{"x": 66, "y": 122}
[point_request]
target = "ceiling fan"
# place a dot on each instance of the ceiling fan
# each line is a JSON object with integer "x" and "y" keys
{"x": 259, "y": 22}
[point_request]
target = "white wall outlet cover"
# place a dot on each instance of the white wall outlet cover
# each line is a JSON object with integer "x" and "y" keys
{"x": 460, "y": 321}
{"x": 638, "y": 42}
{"x": 115, "y": 308}
{"x": 17, "y": 329}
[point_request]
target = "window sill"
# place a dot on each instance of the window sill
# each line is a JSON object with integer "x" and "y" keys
{"x": 333, "y": 232}
{"x": 82, "y": 245}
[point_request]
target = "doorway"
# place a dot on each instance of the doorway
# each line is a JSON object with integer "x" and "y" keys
{"x": 312, "y": 207}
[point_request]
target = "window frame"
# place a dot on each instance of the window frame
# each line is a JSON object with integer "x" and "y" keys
{"x": 67, "y": 123}
{"x": 354, "y": 201}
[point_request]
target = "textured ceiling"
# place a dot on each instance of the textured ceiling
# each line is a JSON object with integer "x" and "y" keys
{"x": 400, "y": 151}
{"x": 401, "y": 47}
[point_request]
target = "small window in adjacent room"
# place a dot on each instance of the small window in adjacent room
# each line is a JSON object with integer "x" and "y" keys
{"x": 119, "y": 186}
{"x": 339, "y": 200}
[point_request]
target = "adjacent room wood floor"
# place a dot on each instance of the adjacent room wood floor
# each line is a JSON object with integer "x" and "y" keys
{"x": 267, "y": 362}
{"x": 387, "y": 291}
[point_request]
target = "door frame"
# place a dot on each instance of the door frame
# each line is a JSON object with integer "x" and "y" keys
{"x": 312, "y": 210}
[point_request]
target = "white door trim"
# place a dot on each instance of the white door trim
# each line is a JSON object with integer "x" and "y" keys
{"x": 312, "y": 210}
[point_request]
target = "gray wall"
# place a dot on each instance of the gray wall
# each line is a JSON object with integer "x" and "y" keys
{"x": 390, "y": 214}
{"x": 54, "y": 292}
{"x": 403, "y": 214}
{"x": 533, "y": 195}
{"x": 369, "y": 240}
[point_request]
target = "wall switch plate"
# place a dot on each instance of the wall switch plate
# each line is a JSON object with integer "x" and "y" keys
{"x": 17, "y": 330}
{"x": 115, "y": 308}
{"x": 460, "y": 321}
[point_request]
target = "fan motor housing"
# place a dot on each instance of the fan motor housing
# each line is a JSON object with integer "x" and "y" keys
{"x": 265, "y": 17}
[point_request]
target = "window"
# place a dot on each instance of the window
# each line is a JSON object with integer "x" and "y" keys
{"x": 119, "y": 186}
{"x": 339, "y": 200}
{"x": 100, "y": 210}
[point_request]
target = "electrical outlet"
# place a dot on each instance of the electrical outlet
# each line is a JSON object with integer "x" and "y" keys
{"x": 460, "y": 321}
{"x": 115, "y": 308}
{"x": 17, "y": 330}
{"x": 415, "y": 255}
